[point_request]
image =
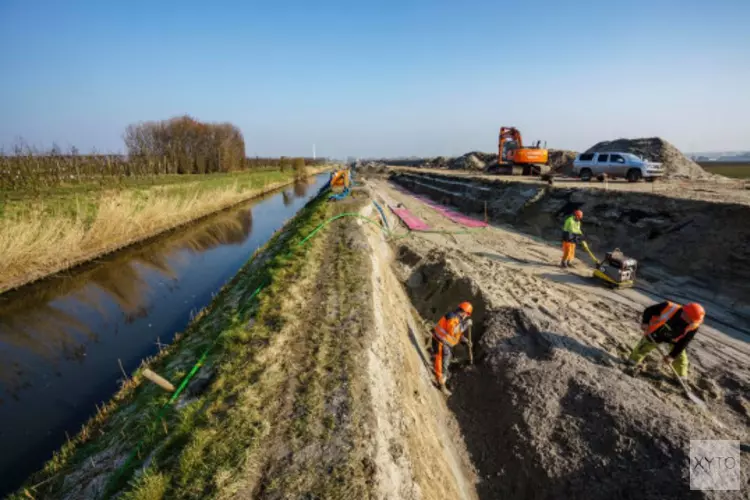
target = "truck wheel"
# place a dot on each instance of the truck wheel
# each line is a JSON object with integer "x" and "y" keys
{"x": 634, "y": 175}
{"x": 586, "y": 174}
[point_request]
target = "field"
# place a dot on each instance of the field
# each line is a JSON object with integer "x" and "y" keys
{"x": 46, "y": 229}
{"x": 30, "y": 171}
{"x": 739, "y": 170}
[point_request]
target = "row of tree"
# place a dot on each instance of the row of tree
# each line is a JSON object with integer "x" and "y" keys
{"x": 180, "y": 145}
{"x": 189, "y": 146}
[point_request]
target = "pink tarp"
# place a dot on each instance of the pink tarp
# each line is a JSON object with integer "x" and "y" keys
{"x": 412, "y": 221}
{"x": 456, "y": 217}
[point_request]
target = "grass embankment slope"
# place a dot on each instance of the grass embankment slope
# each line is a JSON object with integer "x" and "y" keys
{"x": 278, "y": 409}
{"x": 49, "y": 230}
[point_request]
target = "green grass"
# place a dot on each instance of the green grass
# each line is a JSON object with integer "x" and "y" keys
{"x": 736, "y": 170}
{"x": 200, "y": 443}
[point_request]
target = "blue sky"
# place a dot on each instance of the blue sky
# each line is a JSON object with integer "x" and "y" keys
{"x": 380, "y": 78}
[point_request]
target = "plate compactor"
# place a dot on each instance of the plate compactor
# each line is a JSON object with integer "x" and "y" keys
{"x": 616, "y": 269}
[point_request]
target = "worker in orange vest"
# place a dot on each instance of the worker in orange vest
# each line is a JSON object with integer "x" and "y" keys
{"x": 447, "y": 333}
{"x": 668, "y": 322}
{"x": 571, "y": 234}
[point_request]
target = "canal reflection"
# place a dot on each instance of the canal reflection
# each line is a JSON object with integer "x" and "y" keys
{"x": 62, "y": 340}
{"x": 32, "y": 321}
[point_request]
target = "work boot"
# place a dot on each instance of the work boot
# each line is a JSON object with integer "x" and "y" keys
{"x": 632, "y": 369}
{"x": 563, "y": 264}
{"x": 444, "y": 390}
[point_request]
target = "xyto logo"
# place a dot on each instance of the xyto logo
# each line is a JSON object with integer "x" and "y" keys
{"x": 715, "y": 465}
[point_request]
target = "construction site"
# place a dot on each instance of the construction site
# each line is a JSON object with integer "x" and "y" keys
{"x": 375, "y": 250}
{"x": 312, "y": 372}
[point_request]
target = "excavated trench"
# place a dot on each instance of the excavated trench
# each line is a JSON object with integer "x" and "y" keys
{"x": 541, "y": 415}
{"x": 702, "y": 242}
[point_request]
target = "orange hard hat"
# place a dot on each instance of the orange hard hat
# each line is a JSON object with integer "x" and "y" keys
{"x": 466, "y": 307}
{"x": 578, "y": 214}
{"x": 693, "y": 312}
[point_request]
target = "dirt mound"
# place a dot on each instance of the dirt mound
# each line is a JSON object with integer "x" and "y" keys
{"x": 474, "y": 160}
{"x": 677, "y": 165}
{"x": 371, "y": 167}
{"x": 561, "y": 161}
{"x": 544, "y": 413}
{"x": 582, "y": 429}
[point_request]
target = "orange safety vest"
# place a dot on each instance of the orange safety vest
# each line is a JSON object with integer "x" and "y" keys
{"x": 666, "y": 314}
{"x": 448, "y": 330}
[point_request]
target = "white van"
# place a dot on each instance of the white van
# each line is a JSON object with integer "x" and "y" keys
{"x": 615, "y": 165}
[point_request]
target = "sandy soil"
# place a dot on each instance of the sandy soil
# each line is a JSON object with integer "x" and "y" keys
{"x": 420, "y": 453}
{"x": 537, "y": 392}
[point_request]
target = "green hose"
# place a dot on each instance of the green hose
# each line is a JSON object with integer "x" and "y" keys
{"x": 345, "y": 214}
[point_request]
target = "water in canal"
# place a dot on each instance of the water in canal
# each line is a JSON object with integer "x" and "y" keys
{"x": 61, "y": 339}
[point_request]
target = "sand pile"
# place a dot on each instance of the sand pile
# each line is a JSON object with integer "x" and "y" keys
{"x": 561, "y": 161}
{"x": 677, "y": 165}
{"x": 474, "y": 160}
{"x": 547, "y": 412}
{"x": 371, "y": 167}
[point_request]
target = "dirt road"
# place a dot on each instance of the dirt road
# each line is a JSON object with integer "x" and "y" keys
{"x": 570, "y": 370}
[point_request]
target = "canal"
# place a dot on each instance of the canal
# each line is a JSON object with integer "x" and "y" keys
{"x": 62, "y": 340}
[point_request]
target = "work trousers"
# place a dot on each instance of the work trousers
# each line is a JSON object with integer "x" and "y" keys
{"x": 645, "y": 346}
{"x": 441, "y": 358}
{"x": 569, "y": 251}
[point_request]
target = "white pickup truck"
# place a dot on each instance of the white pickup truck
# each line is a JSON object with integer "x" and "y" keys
{"x": 614, "y": 165}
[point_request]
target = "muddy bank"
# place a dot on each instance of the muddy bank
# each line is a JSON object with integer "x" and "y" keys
{"x": 546, "y": 413}
{"x": 698, "y": 240}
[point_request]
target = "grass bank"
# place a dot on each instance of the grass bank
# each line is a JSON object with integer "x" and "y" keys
{"x": 43, "y": 232}
{"x": 277, "y": 409}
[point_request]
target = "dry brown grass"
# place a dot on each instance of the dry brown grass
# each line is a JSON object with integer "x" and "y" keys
{"x": 39, "y": 243}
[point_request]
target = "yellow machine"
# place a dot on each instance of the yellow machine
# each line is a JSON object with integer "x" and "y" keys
{"x": 617, "y": 270}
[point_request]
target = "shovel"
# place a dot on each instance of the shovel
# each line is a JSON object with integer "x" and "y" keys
{"x": 471, "y": 349}
{"x": 692, "y": 397}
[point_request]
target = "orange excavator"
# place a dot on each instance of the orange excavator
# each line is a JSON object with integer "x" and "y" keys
{"x": 514, "y": 158}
